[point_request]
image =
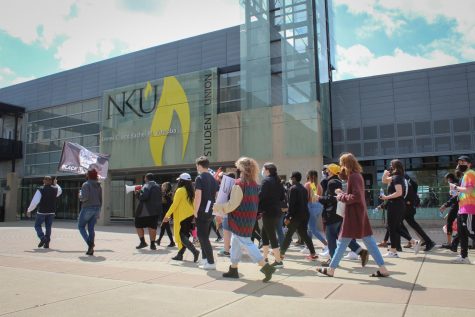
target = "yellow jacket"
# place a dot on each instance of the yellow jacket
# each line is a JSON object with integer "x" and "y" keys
{"x": 181, "y": 209}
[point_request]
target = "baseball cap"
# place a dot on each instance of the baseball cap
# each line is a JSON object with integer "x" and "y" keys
{"x": 324, "y": 167}
{"x": 334, "y": 169}
{"x": 184, "y": 176}
{"x": 465, "y": 158}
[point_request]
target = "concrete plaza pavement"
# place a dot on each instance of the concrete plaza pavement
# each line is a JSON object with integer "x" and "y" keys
{"x": 122, "y": 281}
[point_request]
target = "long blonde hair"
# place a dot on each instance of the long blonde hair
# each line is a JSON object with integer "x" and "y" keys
{"x": 249, "y": 169}
{"x": 349, "y": 164}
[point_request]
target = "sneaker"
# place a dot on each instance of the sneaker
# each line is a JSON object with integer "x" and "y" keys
{"x": 417, "y": 247}
{"x": 446, "y": 246}
{"x": 325, "y": 249}
{"x": 209, "y": 266}
{"x": 142, "y": 245}
{"x": 390, "y": 255}
{"x": 324, "y": 254}
{"x": 460, "y": 260}
{"x": 278, "y": 265}
{"x": 312, "y": 257}
{"x": 202, "y": 263}
{"x": 42, "y": 243}
{"x": 429, "y": 246}
{"x": 171, "y": 245}
{"x": 408, "y": 245}
{"x": 224, "y": 253}
{"x": 219, "y": 240}
{"x": 305, "y": 251}
{"x": 351, "y": 256}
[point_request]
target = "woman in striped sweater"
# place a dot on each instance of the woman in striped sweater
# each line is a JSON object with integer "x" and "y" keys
{"x": 242, "y": 211}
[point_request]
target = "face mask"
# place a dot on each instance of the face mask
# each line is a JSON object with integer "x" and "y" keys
{"x": 263, "y": 174}
{"x": 462, "y": 168}
{"x": 324, "y": 175}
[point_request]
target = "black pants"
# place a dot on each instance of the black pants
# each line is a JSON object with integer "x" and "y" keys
{"x": 269, "y": 233}
{"x": 165, "y": 227}
{"x": 215, "y": 229}
{"x": 465, "y": 230}
{"x": 451, "y": 217}
{"x": 409, "y": 217}
{"x": 202, "y": 228}
{"x": 403, "y": 232}
{"x": 256, "y": 232}
{"x": 185, "y": 231}
{"x": 395, "y": 215}
{"x": 299, "y": 225}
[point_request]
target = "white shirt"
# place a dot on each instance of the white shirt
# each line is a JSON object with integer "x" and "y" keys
{"x": 37, "y": 198}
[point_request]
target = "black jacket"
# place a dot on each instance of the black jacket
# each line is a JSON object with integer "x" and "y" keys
{"x": 298, "y": 203}
{"x": 271, "y": 196}
{"x": 329, "y": 202}
{"x": 151, "y": 197}
{"x": 48, "y": 199}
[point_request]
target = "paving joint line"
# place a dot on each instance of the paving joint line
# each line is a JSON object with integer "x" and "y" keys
{"x": 414, "y": 286}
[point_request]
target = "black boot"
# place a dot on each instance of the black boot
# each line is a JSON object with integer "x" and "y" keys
{"x": 231, "y": 273}
{"x": 152, "y": 245}
{"x": 179, "y": 256}
{"x": 90, "y": 249}
{"x": 42, "y": 242}
{"x": 142, "y": 244}
{"x": 46, "y": 245}
{"x": 268, "y": 271}
{"x": 196, "y": 255}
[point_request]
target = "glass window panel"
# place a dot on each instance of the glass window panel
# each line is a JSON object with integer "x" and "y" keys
{"x": 74, "y": 108}
{"x": 442, "y": 126}
{"x": 371, "y": 149}
{"x": 388, "y": 147}
{"x": 354, "y": 148}
{"x": 60, "y": 110}
{"x": 90, "y": 129}
{"x": 370, "y": 133}
{"x": 386, "y": 131}
{"x": 353, "y": 134}
{"x": 338, "y": 135}
{"x": 338, "y": 149}
{"x": 54, "y": 156}
{"x": 90, "y": 116}
{"x": 424, "y": 145}
{"x": 461, "y": 125}
{"x": 462, "y": 142}
{"x": 42, "y": 158}
{"x": 423, "y": 128}
{"x": 405, "y": 146}
{"x": 92, "y": 140}
{"x": 90, "y": 105}
{"x": 442, "y": 143}
{"x": 33, "y": 116}
{"x": 404, "y": 129}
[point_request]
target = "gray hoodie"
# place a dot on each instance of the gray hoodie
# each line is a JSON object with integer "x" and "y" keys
{"x": 91, "y": 194}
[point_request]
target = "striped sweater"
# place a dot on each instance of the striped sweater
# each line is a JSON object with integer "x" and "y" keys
{"x": 242, "y": 220}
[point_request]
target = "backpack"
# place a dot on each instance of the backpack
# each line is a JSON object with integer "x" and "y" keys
{"x": 411, "y": 193}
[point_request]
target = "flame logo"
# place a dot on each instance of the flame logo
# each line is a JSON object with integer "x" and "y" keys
{"x": 173, "y": 100}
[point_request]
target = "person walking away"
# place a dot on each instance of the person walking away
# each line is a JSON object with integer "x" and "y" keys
{"x": 466, "y": 194}
{"x": 91, "y": 199}
{"x": 182, "y": 212}
{"x": 205, "y": 194}
{"x": 297, "y": 217}
{"x": 148, "y": 211}
{"x": 355, "y": 222}
{"x": 242, "y": 212}
{"x": 271, "y": 195}
{"x": 166, "y": 203}
{"x": 315, "y": 208}
{"x": 45, "y": 199}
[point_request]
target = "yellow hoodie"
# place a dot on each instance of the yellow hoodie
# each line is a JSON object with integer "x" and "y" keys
{"x": 181, "y": 209}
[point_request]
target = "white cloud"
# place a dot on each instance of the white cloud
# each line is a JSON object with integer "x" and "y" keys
{"x": 359, "y": 61}
{"x": 100, "y": 28}
{"x": 9, "y": 77}
{"x": 5, "y": 71}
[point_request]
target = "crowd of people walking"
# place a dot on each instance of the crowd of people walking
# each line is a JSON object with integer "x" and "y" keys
{"x": 337, "y": 201}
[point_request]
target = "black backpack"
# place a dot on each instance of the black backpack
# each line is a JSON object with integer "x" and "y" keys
{"x": 411, "y": 196}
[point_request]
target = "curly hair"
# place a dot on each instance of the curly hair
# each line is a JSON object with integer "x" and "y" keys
{"x": 349, "y": 164}
{"x": 249, "y": 169}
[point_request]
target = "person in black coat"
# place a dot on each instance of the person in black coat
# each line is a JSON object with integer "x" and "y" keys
{"x": 148, "y": 211}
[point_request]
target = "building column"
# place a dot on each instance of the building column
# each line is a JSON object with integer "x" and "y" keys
{"x": 11, "y": 200}
{"x": 106, "y": 201}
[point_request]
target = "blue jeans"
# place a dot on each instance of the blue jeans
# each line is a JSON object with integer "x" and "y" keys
{"x": 370, "y": 243}
{"x": 332, "y": 233}
{"x": 88, "y": 217}
{"x": 280, "y": 230}
{"x": 252, "y": 250}
{"x": 315, "y": 210}
{"x": 48, "y": 220}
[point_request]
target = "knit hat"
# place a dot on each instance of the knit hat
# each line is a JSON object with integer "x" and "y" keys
{"x": 334, "y": 169}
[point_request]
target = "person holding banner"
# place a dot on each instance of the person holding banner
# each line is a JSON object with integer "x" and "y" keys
{"x": 45, "y": 198}
{"x": 91, "y": 197}
{"x": 148, "y": 211}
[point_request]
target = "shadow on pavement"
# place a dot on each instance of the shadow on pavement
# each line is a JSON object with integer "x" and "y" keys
{"x": 92, "y": 258}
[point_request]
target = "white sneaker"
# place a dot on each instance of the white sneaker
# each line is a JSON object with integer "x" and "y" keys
{"x": 324, "y": 254}
{"x": 351, "y": 256}
{"x": 460, "y": 260}
{"x": 390, "y": 255}
{"x": 202, "y": 263}
{"x": 417, "y": 247}
{"x": 209, "y": 266}
{"x": 305, "y": 251}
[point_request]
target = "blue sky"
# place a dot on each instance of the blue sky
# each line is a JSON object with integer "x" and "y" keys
{"x": 38, "y": 38}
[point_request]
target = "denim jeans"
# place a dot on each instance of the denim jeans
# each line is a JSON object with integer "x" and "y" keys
{"x": 280, "y": 230}
{"x": 332, "y": 233}
{"x": 48, "y": 220}
{"x": 237, "y": 242}
{"x": 315, "y": 210}
{"x": 370, "y": 243}
{"x": 88, "y": 217}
